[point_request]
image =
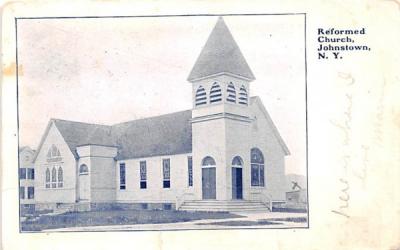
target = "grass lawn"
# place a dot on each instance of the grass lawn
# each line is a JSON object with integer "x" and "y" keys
{"x": 120, "y": 217}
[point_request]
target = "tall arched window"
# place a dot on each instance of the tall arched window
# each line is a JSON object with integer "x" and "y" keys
{"x": 60, "y": 177}
{"x": 237, "y": 162}
{"x": 54, "y": 177}
{"x": 215, "y": 93}
{"x": 257, "y": 167}
{"x": 47, "y": 178}
{"x": 208, "y": 161}
{"x": 83, "y": 169}
{"x": 201, "y": 96}
{"x": 243, "y": 98}
{"x": 231, "y": 97}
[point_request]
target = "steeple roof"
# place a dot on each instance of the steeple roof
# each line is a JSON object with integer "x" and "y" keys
{"x": 220, "y": 54}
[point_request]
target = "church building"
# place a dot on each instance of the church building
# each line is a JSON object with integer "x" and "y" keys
{"x": 223, "y": 154}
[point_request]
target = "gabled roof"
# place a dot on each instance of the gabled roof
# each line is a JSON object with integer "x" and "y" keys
{"x": 168, "y": 134}
{"x": 220, "y": 54}
{"x": 156, "y": 136}
{"x": 257, "y": 100}
{"x": 78, "y": 133}
{"x": 160, "y": 135}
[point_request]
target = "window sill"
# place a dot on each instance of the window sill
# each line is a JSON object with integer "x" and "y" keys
{"x": 56, "y": 188}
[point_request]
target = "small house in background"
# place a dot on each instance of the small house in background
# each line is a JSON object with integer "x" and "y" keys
{"x": 297, "y": 197}
{"x": 26, "y": 180}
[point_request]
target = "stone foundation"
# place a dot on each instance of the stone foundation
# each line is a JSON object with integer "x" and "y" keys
{"x": 144, "y": 206}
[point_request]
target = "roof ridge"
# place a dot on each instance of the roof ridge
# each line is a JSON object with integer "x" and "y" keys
{"x": 87, "y": 123}
{"x": 151, "y": 117}
{"x": 120, "y": 123}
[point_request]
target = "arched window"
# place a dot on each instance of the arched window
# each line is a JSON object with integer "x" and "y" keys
{"x": 237, "y": 162}
{"x": 257, "y": 167}
{"x": 60, "y": 177}
{"x": 53, "y": 154}
{"x": 208, "y": 161}
{"x": 54, "y": 177}
{"x": 201, "y": 96}
{"x": 215, "y": 93}
{"x": 83, "y": 169}
{"x": 231, "y": 97}
{"x": 47, "y": 178}
{"x": 243, "y": 96}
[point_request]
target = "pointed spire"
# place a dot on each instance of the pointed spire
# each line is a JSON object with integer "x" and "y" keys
{"x": 220, "y": 54}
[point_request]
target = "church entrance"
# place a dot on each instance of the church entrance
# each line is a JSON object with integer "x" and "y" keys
{"x": 237, "y": 186}
{"x": 208, "y": 178}
{"x": 237, "y": 180}
{"x": 84, "y": 182}
{"x": 208, "y": 183}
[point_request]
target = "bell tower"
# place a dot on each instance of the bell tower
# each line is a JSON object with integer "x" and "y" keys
{"x": 222, "y": 69}
{"x": 220, "y": 116}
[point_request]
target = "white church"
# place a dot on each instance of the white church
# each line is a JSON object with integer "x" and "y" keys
{"x": 224, "y": 154}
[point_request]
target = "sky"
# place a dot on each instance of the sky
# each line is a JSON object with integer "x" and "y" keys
{"x": 111, "y": 70}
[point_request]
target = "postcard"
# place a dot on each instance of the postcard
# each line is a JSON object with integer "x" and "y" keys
{"x": 159, "y": 126}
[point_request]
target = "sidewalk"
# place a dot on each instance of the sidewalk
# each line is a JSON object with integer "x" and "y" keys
{"x": 249, "y": 218}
